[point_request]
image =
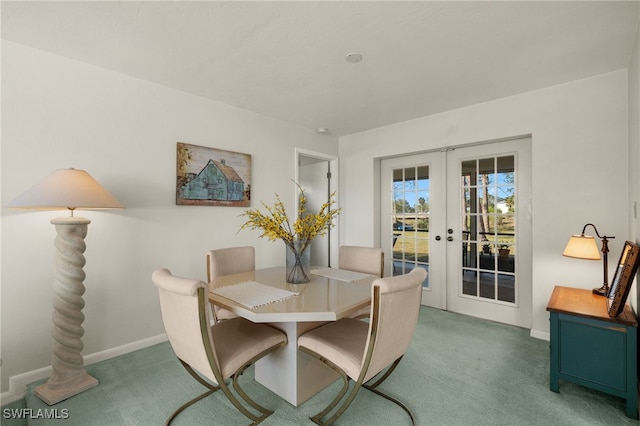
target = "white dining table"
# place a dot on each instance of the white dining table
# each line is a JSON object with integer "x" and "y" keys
{"x": 264, "y": 296}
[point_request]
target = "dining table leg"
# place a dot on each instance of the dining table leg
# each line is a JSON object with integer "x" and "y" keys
{"x": 291, "y": 374}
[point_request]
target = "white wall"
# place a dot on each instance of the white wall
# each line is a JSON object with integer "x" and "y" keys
{"x": 580, "y": 170}
{"x": 634, "y": 156}
{"x": 59, "y": 113}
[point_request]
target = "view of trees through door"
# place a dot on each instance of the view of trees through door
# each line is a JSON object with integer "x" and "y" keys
{"x": 488, "y": 228}
{"x": 410, "y": 225}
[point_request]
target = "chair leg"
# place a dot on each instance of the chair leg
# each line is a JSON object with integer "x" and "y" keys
{"x": 236, "y": 403}
{"x": 265, "y": 411}
{"x": 317, "y": 419}
{"x": 372, "y": 387}
{"x": 395, "y": 401}
{"x": 197, "y": 377}
{"x": 230, "y": 396}
{"x": 345, "y": 386}
{"x": 187, "y": 404}
{"x": 347, "y": 402}
{"x": 385, "y": 375}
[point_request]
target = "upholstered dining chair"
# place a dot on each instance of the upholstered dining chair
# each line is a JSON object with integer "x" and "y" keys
{"x": 215, "y": 355}
{"x": 368, "y": 260}
{"x": 360, "y": 350}
{"x": 227, "y": 261}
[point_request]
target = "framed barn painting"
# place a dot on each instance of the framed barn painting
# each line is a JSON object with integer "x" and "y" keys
{"x": 212, "y": 177}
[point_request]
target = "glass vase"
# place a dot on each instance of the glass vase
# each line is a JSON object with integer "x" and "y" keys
{"x": 298, "y": 262}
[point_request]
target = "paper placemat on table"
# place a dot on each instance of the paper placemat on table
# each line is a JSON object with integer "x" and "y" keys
{"x": 340, "y": 274}
{"x": 253, "y": 294}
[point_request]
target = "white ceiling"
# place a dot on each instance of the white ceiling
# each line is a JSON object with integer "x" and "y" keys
{"x": 287, "y": 59}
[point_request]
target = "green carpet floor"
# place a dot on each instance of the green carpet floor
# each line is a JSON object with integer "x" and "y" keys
{"x": 458, "y": 371}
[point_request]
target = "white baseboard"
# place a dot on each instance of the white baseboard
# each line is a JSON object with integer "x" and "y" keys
{"x": 18, "y": 384}
{"x": 540, "y": 335}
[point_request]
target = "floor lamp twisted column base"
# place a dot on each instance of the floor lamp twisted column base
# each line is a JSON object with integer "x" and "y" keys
{"x": 69, "y": 377}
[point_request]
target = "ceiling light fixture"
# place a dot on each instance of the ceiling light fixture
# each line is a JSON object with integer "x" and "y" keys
{"x": 322, "y": 130}
{"x": 354, "y": 58}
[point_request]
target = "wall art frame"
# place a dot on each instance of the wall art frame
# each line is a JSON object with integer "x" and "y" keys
{"x": 623, "y": 278}
{"x": 212, "y": 177}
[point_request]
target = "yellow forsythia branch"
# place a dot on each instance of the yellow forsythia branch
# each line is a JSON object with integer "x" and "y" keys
{"x": 275, "y": 224}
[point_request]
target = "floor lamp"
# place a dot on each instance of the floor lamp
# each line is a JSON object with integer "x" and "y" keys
{"x": 67, "y": 189}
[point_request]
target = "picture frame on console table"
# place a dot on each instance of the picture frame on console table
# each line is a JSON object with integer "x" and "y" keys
{"x": 623, "y": 278}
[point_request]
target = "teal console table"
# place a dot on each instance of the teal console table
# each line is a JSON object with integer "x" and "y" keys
{"x": 592, "y": 349}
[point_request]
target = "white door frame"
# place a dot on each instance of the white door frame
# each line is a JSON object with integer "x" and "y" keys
{"x": 305, "y": 159}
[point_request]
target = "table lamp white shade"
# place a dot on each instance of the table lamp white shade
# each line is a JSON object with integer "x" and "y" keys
{"x": 66, "y": 189}
{"x": 582, "y": 247}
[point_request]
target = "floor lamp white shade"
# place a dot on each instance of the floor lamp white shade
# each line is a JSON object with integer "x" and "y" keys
{"x": 67, "y": 189}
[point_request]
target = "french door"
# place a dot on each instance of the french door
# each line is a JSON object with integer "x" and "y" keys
{"x": 412, "y": 193}
{"x": 463, "y": 215}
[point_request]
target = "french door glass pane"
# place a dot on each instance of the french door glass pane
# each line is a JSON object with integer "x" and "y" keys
{"x": 487, "y": 188}
{"x": 410, "y": 219}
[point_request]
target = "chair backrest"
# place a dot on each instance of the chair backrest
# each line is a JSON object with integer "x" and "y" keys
{"x": 394, "y": 316}
{"x": 184, "y": 308}
{"x": 232, "y": 260}
{"x": 368, "y": 260}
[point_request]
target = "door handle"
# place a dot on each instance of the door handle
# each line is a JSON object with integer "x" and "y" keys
{"x": 438, "y": 238}
{"x": 449, "y": 238}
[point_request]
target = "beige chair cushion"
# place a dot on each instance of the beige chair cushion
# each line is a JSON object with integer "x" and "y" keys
{"x": 343, "y": 342}
{"x": 240, "y": 340}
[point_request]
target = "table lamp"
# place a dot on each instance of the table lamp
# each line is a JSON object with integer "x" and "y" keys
{"x": 584, "y": 247}
{"x": 67, "y": 189}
